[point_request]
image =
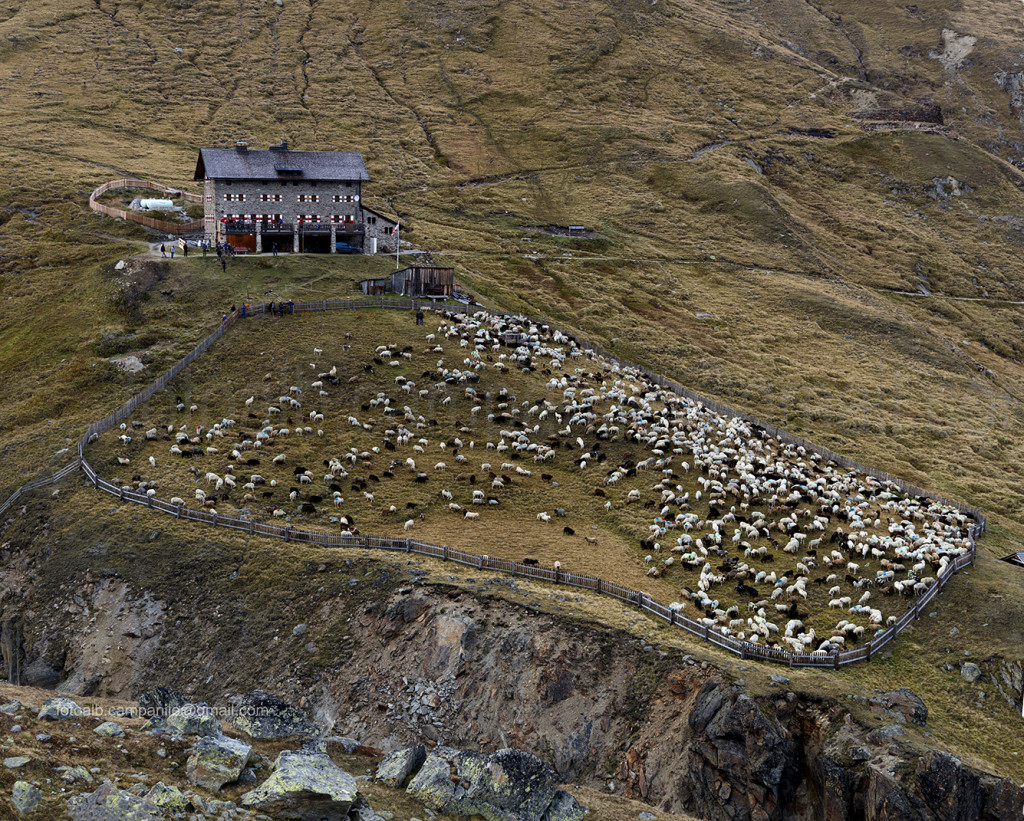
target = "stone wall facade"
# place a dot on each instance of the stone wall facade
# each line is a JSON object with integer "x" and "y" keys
{"x": 380, "y": 228}
{"x": 285, "y": 201}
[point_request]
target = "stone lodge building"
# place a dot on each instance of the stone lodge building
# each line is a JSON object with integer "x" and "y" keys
{"x": 298, "y": 201}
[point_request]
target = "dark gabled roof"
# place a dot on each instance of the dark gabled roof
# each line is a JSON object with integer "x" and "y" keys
{"x": 232, "y": 164}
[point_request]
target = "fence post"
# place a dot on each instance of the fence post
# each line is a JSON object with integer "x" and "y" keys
{"x": 120, "y": 493}
{"x": 444, "y": 556}
{"x": 598, "y": 585}
{"x": 835, "y": 661}
{"x": 287, "y": 533}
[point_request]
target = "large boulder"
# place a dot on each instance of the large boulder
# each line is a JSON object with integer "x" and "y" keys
{"x": 304, "y": 785}
{"x": 109, "y": 803}
{"x": 903, "y": 705}
{"x": 261, "y": 715}
{"x": 396, "y": 768}
{"x": 508, "y": 785}
{"x": 194, "y": 719}
{"x": 160, "y": 702}
{"x": 444, "y": 780}
{"x": 25, "y": 796}
{"x": 217, "y": 760}
{"x": 170, "y": 800}
{"x": 109, "y": 729}
{"x": 60, "y": 708}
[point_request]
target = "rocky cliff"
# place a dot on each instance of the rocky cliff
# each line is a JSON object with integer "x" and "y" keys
{"x": 377, "y": 651}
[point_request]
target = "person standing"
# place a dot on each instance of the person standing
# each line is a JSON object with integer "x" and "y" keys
{"x": 224, "y": 265}
{"x": 172, "y": 251}
{"x": 163, "y": 250}
{"x": 419, "y": 317}
{"x": 184, "y": 249}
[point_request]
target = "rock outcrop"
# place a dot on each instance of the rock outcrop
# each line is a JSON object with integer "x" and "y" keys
{"x": 903, "y": 705}
{"x": 742, "y": 760}
{"x": 508, "y": 785}
{"x": 304, "y": 785}
{"x": 160, "y": 702}
{"x": 260, "y": 715}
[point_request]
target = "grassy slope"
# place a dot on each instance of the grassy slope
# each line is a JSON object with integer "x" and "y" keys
{"x": 478, "y": 119}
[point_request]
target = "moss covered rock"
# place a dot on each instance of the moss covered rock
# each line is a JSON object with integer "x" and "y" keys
{"x": 109, "y": 729}
{"x": 169, "y": 799}
{"x": 60, "y": 709}
{"x": 216, "y": 761}
{"x": 306, "y": 786}
{"x": 445, "y": 780}
{"x": 109, "y": 803}
{"x": 508, "y": 785}
{"x": 194, "y": 719}
{"x": 261, "y": 715}
{"x": 395, "y": 768}
{"x": 25, "y": 796}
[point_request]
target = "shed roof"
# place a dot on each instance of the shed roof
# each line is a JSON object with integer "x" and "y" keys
{"x": 277, "y": 163}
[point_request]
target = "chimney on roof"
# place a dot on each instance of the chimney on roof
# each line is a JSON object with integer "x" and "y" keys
{"x": 241, "y": 146}
{"x": 282, "y": 147}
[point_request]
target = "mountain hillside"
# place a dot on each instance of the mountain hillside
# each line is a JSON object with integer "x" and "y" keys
{"x": 811, "y": 212}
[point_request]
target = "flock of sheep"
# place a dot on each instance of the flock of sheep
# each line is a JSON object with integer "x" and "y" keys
{"x": 763, "y": 541}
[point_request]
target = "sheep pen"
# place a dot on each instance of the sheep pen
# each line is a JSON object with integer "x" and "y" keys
{"x": 495, "y": 431}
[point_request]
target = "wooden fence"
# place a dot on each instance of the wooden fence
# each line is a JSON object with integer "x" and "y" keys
{"x": 745, "y": 649}
{"x": 176, "y": 228}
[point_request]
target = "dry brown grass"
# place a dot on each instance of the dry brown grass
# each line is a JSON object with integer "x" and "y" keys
{"x": 568, "y": 113}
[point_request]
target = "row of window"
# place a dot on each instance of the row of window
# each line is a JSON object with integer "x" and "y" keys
{"x": 299, "y": 198}
{"x": 337, "y": 219}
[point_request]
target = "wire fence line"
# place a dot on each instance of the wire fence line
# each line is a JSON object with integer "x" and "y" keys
{"x": 67, "y": 470}
{"x": 557, "y": 576}
{"x": 177, "y": 228}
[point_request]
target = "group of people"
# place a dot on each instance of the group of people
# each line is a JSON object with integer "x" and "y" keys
{"x": 280, "y": 308}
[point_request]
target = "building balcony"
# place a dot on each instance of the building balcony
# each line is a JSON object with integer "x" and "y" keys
{"x": 267, "y": 227}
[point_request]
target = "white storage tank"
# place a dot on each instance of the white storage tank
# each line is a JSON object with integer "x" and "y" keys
{"x": 157, "y": 205}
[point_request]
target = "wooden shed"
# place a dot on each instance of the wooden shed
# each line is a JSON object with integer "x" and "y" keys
{"x": 423, "y": 281}
{"x": 375, "y": 287}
